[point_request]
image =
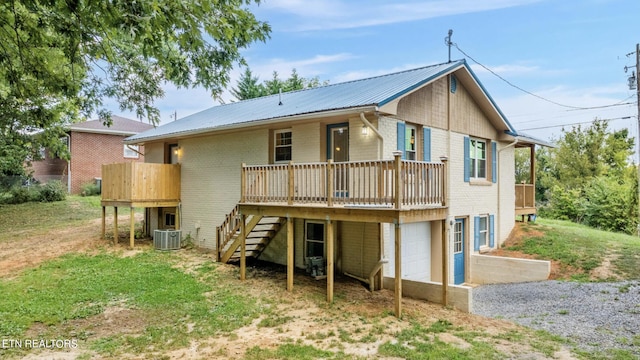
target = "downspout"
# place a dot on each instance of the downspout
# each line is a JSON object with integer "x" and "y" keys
{"x": 499, "y": 182}
{"x": 375, "y": 131}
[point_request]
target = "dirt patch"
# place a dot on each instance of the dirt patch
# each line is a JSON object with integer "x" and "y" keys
{"x": 606, "y": 270}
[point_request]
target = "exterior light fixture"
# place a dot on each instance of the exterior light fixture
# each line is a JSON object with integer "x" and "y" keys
{"x": 365, "y": 130}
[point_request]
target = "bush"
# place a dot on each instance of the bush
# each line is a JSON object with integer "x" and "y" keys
{"x": 90, "y": 189}
{"x": 53, "y": 191}
{"x": 22, "y": 194}
{"x": 609, "y": 205}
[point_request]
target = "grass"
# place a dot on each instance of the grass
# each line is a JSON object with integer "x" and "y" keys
{"x": 162, "y": 299}
{"x": 34, "y": 217}
{"x": 580, "y": 247}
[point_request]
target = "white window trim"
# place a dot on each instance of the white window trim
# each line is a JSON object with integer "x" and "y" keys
{"x": 407, "y": 130}
{"x": 131, "y": 151}
{"x": 474, "y": 158}
{"x": 458, "y": 229}
{"x": 276, "y": 146}
{"x": 484, "y": 234}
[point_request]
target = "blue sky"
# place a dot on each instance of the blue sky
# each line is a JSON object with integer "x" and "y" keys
{"x": 572, "y": 52}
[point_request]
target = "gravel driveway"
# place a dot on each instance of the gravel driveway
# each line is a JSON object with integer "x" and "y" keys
{"x": 594, "y": 316}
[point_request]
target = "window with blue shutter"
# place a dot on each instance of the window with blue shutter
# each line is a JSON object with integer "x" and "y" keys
{"x": 401, "y": 138}
{"x": 494, "y": 162}
{"x": 476, "y": 233}
{"x": 483, "y": 231}
{"x": 467, "y": 159}
{"x": 426, "y": 144}
{"x": 491, "y": 231}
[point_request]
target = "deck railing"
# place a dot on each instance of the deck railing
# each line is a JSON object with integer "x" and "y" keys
{"x": 140, "y": 182}
{"x": 525, "y": 196}
{"x": 381, "y": 183}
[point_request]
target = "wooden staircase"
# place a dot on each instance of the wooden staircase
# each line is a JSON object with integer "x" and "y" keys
{"x": 259, "y": 232}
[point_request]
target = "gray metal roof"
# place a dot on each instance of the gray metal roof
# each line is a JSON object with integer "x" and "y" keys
{"x": 357, "y": 94}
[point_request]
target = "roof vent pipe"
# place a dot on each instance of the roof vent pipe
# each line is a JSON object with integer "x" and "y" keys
{"x": 280, "y": 96}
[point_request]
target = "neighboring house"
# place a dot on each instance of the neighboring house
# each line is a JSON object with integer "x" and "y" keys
{"x": 92, "y": 144}
{"x": 400, "y": 180}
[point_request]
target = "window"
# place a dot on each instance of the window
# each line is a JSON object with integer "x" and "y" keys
{"x": 477, "y": 158}
{"x": 483, "y": 231}
{"x": 314, "y": 238}
{"x": 458, "y": 237}
{"x": 282, "y": 143}
{"x": 131, "y": 151}
{"x": 410, "y": 142}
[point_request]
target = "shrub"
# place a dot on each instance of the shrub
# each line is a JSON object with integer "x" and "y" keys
{"x": 53, "y": 191}
{"x": 90, "y": 189}
{"x": 22, "y": 194}
{"x": 609, "y": 205}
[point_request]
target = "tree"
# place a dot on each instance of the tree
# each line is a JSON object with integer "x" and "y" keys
{"x": 60, "y": 59}
{"x": 589, "y": 179}
{"x": 247, "y": 87}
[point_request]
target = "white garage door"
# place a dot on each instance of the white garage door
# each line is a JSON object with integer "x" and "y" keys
{"x": 416, "y": 251}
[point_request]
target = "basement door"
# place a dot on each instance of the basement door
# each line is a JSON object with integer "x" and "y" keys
{"x": 416, "y": 252}
{"x": 458, "y": 252}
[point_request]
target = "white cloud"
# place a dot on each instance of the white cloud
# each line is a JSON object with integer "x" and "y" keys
{"x": 334, "y": 14}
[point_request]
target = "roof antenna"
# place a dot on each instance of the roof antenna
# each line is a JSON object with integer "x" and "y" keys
{"x": 280, "y": 96}
{"x": 447, "y": 41}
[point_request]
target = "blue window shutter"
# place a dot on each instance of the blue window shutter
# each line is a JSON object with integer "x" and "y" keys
{"x": 401, "y": 140}
{"x": 467, "y": 159}
{"x": 476, "y": 233}
{"x": 426, "y": 144}
{"x": 494, "y": 162}
{"x": 491, "y": 231}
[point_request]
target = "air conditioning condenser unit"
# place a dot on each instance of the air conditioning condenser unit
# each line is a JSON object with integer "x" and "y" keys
{"x": 167, "y": 239}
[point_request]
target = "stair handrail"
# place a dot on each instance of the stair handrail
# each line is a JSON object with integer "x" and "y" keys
{"x": 226, "y": 231}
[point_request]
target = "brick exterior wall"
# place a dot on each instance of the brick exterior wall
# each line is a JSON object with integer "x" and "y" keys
{"x": 89, "y": 151}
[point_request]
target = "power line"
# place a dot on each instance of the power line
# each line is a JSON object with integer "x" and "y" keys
{"x": 532, "y": 94}
{"x": 578, "y": 123}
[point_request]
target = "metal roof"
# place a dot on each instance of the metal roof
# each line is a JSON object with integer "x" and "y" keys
{"x": 358, "y": 94}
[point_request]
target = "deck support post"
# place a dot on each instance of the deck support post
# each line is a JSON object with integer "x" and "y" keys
{"x": 243, "y": 247}
{"x": 115, "y": 225}
{"x": 398, "y": 270}
{"x": 132, "y": 225}
{"x": 290, "y": 259}
{"x": 104, "y": 222}
{"x": 330, "y": 255}
{"x": 397, "y": 155}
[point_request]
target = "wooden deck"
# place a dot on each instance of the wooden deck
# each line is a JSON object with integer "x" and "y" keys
{"x": 525, "y": 199}
{"x": 139, "y": 185}
{"x": 386, "y": 187}
{"x": 136, "y": 184}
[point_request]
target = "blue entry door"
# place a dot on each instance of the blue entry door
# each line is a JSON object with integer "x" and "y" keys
{"x": 458, "y": 252}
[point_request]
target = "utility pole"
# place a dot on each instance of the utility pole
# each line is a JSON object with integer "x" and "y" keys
{"x": 634, "y": 83}
{"x": 638, "y": 118}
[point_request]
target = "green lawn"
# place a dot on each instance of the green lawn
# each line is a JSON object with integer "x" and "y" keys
{"x": 581, "y": 247}
{"x": 36, "y": 217}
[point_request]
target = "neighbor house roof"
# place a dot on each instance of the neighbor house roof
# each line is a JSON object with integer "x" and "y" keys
{"x": 359, "y": 95}
{"x": 119, "y": 126}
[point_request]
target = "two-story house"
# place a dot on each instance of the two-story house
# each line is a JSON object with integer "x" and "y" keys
{"x": 397, "y": 180}
{"x": 90, "y": 144}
